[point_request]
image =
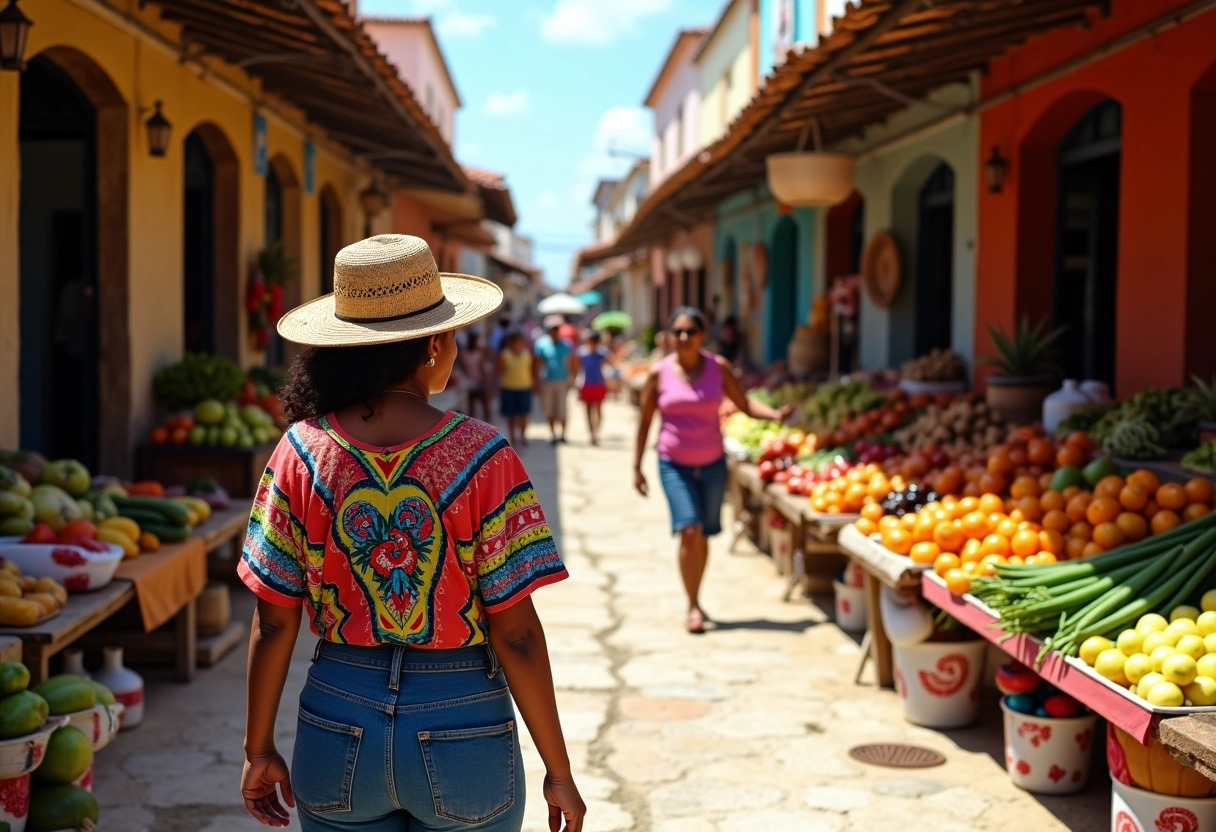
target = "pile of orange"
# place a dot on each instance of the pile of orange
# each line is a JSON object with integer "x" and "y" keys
{"x": 858, "y": 487}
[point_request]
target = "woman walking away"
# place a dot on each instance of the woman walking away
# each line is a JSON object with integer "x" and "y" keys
{"x": 686, "y": 389}
{"x": 593, "y": 359}
{"x": 413, "y": 540}
{"x": 556, "y": 367}
{"x": 515, "y": 381}
{"x": 473, "y": 377}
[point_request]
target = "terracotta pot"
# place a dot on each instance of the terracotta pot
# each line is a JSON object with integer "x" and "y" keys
{"x": 1019, "y": 399}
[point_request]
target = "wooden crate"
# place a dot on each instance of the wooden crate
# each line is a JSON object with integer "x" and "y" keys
{"x": 238, "y": 470}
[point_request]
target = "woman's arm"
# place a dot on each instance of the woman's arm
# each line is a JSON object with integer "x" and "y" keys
{"x": 519, "y": 640}
{"x": 650, "y": 403}
{"x": 750, "y": 407}
{"x": 271, "y": 641}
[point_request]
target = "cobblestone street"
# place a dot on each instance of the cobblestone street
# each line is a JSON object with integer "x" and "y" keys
{"x": 744, "y": 728}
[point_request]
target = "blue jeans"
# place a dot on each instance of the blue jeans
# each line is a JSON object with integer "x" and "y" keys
{"x": 694, "y": 494}
{"x": 393, "y": 739}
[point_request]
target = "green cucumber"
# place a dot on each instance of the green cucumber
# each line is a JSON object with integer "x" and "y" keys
{"x": 166, "y": 533}
{"x": 172, "y": 512}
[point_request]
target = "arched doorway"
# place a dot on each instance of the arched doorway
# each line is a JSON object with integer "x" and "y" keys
{"x": 75, "y": 384}
{"x": 1087, "y": 235}
{"x": 935, "y": 261}
{"x": 210, "y": 247}
{"x": 331, "y": 235}
{"x": 730, "y": 277}
{"x": 282, "y": 235}
{"x": 783, "y": 287}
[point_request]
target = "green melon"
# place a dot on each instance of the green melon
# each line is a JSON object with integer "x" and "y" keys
{"x": 68, "y": 754}
{"x": 60, "y": 807}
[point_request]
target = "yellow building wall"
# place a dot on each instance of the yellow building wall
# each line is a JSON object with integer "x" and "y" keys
{"x": 144, "y": 73}
{"x": 730, "y": 49}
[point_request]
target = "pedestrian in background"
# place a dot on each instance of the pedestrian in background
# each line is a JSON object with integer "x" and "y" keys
{"x": 594, "y": 360}
{"x": 515, "y": 380}
{"x": 413, "y": 540}
{"x": 556, "y": 368}
{"x": 473, "y": 364}
{"x": 686, "y": 388}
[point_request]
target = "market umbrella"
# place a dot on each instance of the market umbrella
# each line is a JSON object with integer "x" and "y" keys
{"x": 561, "y": 304}
{"x": 591, "y": 298}
{"x": 612, "y": 320}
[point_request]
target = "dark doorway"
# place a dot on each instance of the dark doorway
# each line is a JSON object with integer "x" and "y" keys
{"x": 935, "y": 261}
{"x": 59, "y": 382}
{"x": 1087, "y": 244}
{"x": 783, "y": 287}
{"x": 331, "y": 236}
{"x": 198, "y": 248}
{"x": 274, "y": 237}
{"x": 699, "y": 281}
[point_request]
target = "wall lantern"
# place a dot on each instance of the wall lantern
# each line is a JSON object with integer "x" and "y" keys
{"x": 372, "y": 200}
{"x": 675, "y": 260}
{"x": 995, "y": 170}
{"x": 691, "y": 258}
{"x": 14, "y": 29}
{"x": 159, "y": 129}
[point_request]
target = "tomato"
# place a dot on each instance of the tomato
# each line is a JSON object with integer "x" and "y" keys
{"x": 41, "y": 533}
{"x": 78, "y": 528}
{"x": 1014, "y": 678}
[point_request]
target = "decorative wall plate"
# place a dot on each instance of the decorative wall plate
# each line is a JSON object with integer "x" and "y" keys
{"x": 882, "y": 269}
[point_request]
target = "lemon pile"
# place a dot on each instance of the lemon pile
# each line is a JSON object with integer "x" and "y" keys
{"x": 1168, "y": 663}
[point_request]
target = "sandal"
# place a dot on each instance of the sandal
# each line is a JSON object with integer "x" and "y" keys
{"x": 694, "y": 622}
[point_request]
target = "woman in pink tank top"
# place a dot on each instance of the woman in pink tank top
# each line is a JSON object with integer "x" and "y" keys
{"x": 687, "y": 388}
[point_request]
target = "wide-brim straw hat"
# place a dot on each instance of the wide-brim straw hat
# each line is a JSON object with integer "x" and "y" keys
{"x": 387, "y": 288}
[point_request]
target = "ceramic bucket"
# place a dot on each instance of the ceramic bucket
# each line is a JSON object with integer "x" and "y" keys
{"x": 850, "y": 607}
{"x": 1046, "y": 755}
{"x": 1137, "y": 810}
{"x": 939, "y": 681}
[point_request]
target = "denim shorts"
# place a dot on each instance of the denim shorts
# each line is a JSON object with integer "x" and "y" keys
{"x": 394, "y": 738}
{"x": 694, "y": 494}
{"x": 515, "y": 402}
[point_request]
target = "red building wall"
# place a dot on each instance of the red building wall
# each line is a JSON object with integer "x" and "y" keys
{"x": 1166, "y": 85}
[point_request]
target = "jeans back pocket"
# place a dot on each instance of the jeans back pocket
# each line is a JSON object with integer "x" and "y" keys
{"x": 471, "y": 771}
{"x": 323, "y": 765}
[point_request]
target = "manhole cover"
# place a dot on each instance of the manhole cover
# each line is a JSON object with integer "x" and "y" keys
{"x": 897, "y": 755}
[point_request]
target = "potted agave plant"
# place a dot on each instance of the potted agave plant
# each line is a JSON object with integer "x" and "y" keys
{"x": 1026, "y": 370}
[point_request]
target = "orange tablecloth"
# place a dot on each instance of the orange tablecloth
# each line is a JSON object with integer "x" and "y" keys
{"x": 165, "y": 581}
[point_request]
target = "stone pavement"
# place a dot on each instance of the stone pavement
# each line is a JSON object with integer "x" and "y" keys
{"x": 746, "y": 727}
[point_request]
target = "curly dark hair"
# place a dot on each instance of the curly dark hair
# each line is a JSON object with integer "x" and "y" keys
{"x": 321, "y": 380}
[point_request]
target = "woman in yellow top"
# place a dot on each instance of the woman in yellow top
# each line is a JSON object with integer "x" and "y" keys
{"x": 515, "y": 375}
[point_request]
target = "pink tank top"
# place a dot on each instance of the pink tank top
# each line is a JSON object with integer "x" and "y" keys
{"x": 690, "y": 434}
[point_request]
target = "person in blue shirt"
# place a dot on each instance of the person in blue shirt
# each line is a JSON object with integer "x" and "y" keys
{"x": 555, "y": 372}
{"x": 592, "y": 359}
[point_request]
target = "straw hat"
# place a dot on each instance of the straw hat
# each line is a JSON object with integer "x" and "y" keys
{"x": 387, "y": 288}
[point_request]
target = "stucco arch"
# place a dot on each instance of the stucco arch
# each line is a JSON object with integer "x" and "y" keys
{"x": 113, "y": 254}
{"x": 330, "y": 224}
{"x": 289, "y": 184}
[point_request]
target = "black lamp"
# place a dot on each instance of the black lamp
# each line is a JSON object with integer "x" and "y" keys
{"x": 159, "y": 129}
{"x": 995, "y": 170}
{"x": 14, "y": 30}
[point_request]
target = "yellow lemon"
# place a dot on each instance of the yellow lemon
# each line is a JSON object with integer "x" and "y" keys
{"x": 1146, "y": 683}
{"x": 1206, "y": 666}
{"x": 1092, "y": 646}
{"x": 1151, "y": 623}
{"x": 1209, "y": 643}
{"x": 1208, "y": 601}
{"x": 1184, "y": 611}
{"x": 1166, "y": 695}
{"x": 1137, "y": 667}
{"x": 1110, "y": 663}
{"x": 1202, "y": 691}
{"x": 1206, "y": 622}
{"x": 1161, "y": 638}
{"x": 1179, "y": 669}
{"x": 1193, "y": 646}
{"x": 1130, "y": 642}
{"x": 1157, "y": 658}
{"x": 1184, "y": 627}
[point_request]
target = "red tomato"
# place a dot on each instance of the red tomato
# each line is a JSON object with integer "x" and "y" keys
{"x": 78, "y": 528}
{"x": 41, "y": 533}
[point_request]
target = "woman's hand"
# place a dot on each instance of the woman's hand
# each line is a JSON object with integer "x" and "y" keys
{"x": 639, "y": 483}
{"x": 564, "y": 801}
{"x": 258, "y": 780}
{"x": 786, "y": 412}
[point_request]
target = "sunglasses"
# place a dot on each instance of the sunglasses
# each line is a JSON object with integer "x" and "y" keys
{"x": 689, "y": 332}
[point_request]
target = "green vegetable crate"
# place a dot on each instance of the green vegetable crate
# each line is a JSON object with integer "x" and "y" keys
{"x": 237, "y": 470}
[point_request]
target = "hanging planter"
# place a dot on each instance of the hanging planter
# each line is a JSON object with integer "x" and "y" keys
{"x": 810, "y": 178}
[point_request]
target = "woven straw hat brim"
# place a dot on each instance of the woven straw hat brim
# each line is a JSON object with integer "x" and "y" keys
{"x": 468, "y": 299}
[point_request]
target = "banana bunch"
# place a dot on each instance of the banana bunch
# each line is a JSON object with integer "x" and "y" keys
{"x": 1202, "y": 459}
{"x": 126, "y": 533}
{"x": 1134, "y": 437}
{"x": 198, "y": 509}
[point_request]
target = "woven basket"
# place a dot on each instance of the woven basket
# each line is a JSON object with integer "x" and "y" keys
{"x": 214, "y": 609}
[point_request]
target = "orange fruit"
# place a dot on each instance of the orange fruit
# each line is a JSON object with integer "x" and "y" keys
{"x": 1045, "y": 481}
{"x": 1133, "y": 526}
{"x": 865, "y": 526}
{"x": 1194, "y": 511}
{"x": 1056, "y": 519}
{"x": 1052, "y": 541}
{"x": 1070, "y": 455}
{"x": 992, "y": 483}
{"x": 1164, "y": 520}
{"x": 995, "y": 544}
{"x": 908, "y": 522}
{"x": 1024, "y": 543}
{"x": 1030, "y": 508}
{"x": 1092, "y": 549}
{"x": 1006, "y": 528}
{"x": 872, "y": 511}
{"x": 1081, "y": 440}
{"x": 968, "y": 505}
{"x": 1070, "y": 492}
{"x": 1109, "y": 486}
{"x": 1171, "y": 496}
{"x": 888, "y": 522}
{"x": 1041, "y": 557}
{"x": 1078, "y": 506}
{"x": 1073, "y": 547}
{"x": 944, "y": 562}
{"x": 924, "y": 552}
{"x": 957, "y": 581}
{"x": 971, "y": 567}
{"x": 999, "y": 461}
{"x": 1150, "y": 508}
{"x": 1052, "y": 501}
{"x": 975, "y": 524}
{"x": 991, "y": 504}
{"x": 949, "y": 537}
{"x": 1145, "y": 479}
{"x": 1082, "y": 530}
{"x": 1017, "y": 457}
{"x": 1024, "y": 486}
{"x": 971, "y": 489}
{"x": 1040, "y": 452}
{"x": 1133, "y": 496}
{"x": 1102, "y": 509}
{"x": 972, "y": 552}
{"x": 1198, "y": 490}
{"x": 898, "y": 541}
{"x": 923, "y": 530}
{"x": 1108, "y": 535}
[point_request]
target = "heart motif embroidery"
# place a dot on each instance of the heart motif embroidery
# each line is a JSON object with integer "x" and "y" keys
{"x": 950, "y": 677}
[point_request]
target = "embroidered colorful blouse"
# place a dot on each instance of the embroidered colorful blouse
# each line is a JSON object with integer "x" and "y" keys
{"x": 406, "y": 545}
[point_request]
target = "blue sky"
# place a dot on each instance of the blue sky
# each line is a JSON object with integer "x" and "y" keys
{"x": 548, "y": 87}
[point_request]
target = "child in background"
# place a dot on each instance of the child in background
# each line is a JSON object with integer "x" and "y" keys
{"x": 515, "y": 381}
{"x": 592, "y": 359}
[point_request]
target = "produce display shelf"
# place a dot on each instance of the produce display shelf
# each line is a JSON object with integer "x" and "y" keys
{"x": 1070, "y": 675}
{"x": 896, "y": 571}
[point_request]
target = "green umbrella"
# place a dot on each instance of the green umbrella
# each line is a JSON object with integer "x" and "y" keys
{"x": 612, "y": 320}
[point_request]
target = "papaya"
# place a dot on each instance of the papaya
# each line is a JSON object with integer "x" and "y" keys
{"x": 68, "y": 755}
{"x": 60, "y": 807}
{"x": 104, "y": 695}
{"x": 14, "y": 678}
{"x": 67, "y": 693}
{"x": 22, "y": 713}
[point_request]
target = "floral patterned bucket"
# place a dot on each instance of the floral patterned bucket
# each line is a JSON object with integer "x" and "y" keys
{"x": 850, "y": 607}
{"x": 1046, "y": 755}
{"x": 15, "y": 802}
{"x": 939, "y": 681}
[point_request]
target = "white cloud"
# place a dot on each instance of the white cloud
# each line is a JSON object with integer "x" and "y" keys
{"x": 597, "y": 22}
{"x": 624, "y": 129}
{"x": 515, "y": 103}
{"x": 461, "y": 25}
{"x": 548, "y": 199}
